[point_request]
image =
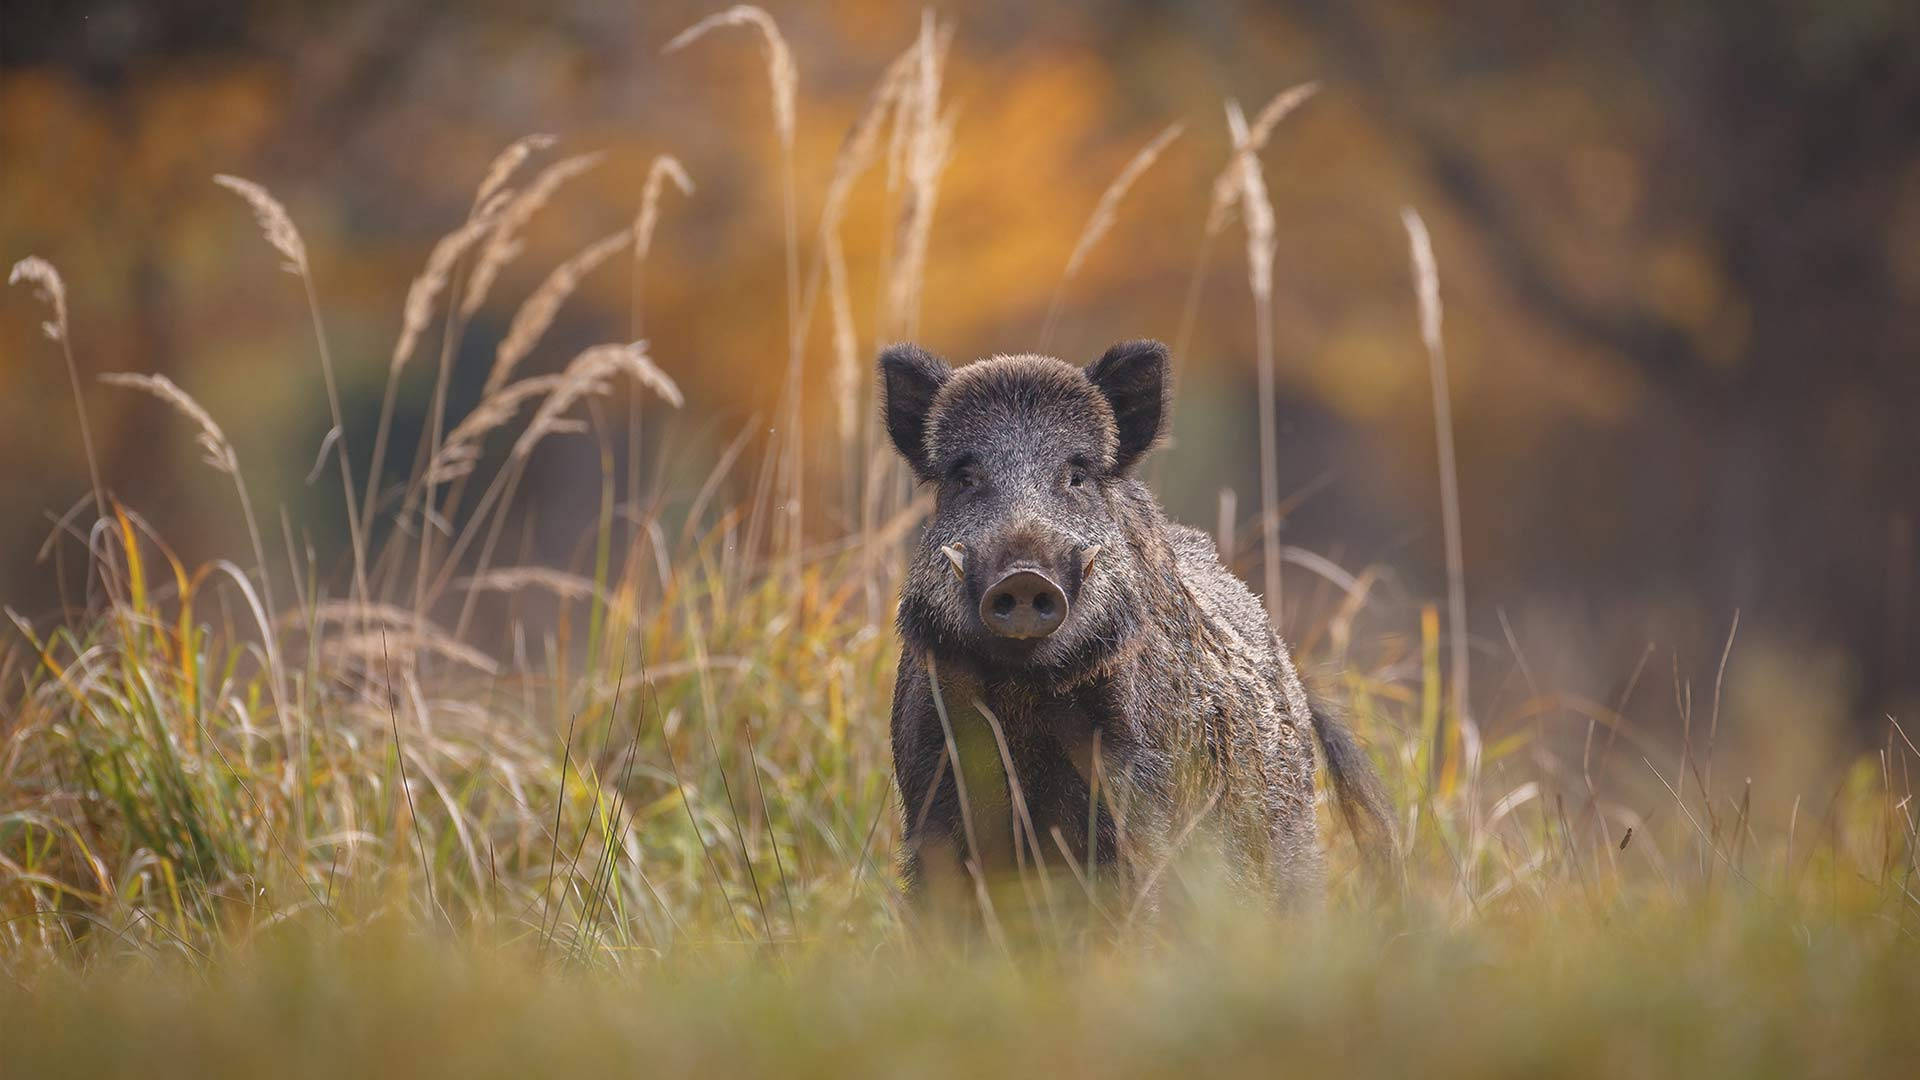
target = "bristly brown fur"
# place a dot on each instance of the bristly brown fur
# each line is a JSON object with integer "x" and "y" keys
{"x": 1165, "y": 661}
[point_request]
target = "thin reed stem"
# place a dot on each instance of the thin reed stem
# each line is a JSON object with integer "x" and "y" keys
{"x": 1427, "y": 282}
{"x": 1270, "y": 518}
{"x": 356, "y": 533}
{"x": 86, "y": 430}
{"x": 53, "y": 291}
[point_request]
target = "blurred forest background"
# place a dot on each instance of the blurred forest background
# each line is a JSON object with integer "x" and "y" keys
{"x": 1679, "y": 248}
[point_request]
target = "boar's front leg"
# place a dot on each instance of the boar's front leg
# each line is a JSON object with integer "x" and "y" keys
{"x": 935, "y": 849}
{"x": 1139, "y": 785}
{"x": 1121, "y": 803}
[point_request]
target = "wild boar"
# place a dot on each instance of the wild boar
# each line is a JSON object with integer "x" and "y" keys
{"x": 1108, "y": 689}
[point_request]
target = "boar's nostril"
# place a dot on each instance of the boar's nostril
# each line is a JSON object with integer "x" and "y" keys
{"x": 1023, "y": 604}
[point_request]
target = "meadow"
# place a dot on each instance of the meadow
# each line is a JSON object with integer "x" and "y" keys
{"x": 415, "y": 805}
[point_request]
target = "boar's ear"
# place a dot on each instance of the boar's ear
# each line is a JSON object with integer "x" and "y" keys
{"x": 911, "y": 377}
{"x": 1133, "y": 376}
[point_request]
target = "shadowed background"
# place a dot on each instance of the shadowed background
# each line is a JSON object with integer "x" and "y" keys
{"x": 1679, "y": 251}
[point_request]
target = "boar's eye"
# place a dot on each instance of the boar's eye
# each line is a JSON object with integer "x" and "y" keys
{"x": 1076, "y": 473}
{"x": 965, "y": 474}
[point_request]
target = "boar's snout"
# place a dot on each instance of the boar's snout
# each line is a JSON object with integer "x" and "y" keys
{"x": 1023, "y": 604}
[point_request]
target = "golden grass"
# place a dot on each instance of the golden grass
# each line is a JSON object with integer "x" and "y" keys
{"x": 52, "y": 291}
{"x": 1256, "y": 213}
{"x": 503, "y": 245}
{"x": 783, "y": 81}
{"x": 1426, "y": 278}
{"x": 641, "y": 815}
{"x": 506, "y": 163}
{"x": 531, "y": 320}
{"x": 1105, "y": 212}
{"x": 783, "y": 77}
{"x": 276, "y": 225}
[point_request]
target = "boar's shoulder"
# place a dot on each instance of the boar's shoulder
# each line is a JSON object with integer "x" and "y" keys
{"x": 1223, "y": 599}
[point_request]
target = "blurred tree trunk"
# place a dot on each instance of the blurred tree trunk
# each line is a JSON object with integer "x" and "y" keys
{"x": 1787, "y": 129}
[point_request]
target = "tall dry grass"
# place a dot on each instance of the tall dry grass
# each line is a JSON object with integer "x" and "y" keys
{"x": 1256, "y": 211}
{"x": 1101, "y": 222}
{"x": 677, "y": 757}
{"x": 1426, "y": 277}
{"x": 276, "y": 225}
{"x": 52, "y": 291}
{"x": 665, "y": 167}
{"x": 783, "y": 82}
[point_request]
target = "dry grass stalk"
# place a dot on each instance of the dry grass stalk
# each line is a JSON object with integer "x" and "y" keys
{"x": 925, "y": 141}
{"x": 1104, "y": 213}
{"x": 783, "y": 79}
{"x": 458, "y": 455}
{"x": 275, "y": 224}
{"x": 214, "y": 447}
{"x": 857, "y": 153}
{"x": 366, "y": 612}
{"x": 418, "y": 311}
{"x": 278, "y": 227}
{"x": 862, "y": 145}
{"x": 591, "y": 374}
{"x": 1256, "y": 207}
{"x": 508, "y": 162}
{"x": 533, "y": 318}
{"x": 919, "y": 143}
{"x": 426, "y": 288}
{"x": 846, "y": 345}
{"x": 1257, "y": 212}
{"x": 219, "y": 454}
{"x": 403, "y": 629}
{"x": 912, "y": 73}
{"x": 665, "y": 167}
{"x": 52, "y": 291}
{"x": 488, "y": 218}
{"x": 518, "y": 578}
{"x": 420, "y": 305}
{"x": 401, "y": 647}
{"x": 492, "y": 201}
{"x": 1226, "y": 194}
{"x": 1279, "y": 109}
{"x": 1426, "y": 277}
{"x": 1227, "y": 186}
{"x": 503, "y": 245}
{"x": 782, "y": 76}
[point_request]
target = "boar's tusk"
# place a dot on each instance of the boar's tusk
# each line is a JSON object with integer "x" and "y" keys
{"x": 954, "y": 556}
{"x": 1086, "y": 559}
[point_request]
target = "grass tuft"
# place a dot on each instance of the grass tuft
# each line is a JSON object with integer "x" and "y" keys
{"x": 634, "y": 808}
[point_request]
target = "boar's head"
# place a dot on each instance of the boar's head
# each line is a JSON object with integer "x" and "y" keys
{"x": 1027, "y": 560}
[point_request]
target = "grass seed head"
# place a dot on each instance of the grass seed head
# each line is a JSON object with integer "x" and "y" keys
{"x": 48, "y": 287}
{"x": 533, "y": 318}
{"x": 275, "y": 224}
{"x": 665, "y": 167}
{"x": 213, "y": 441}
{"x": 503, "y": 236}
{"x": 782, "y": 76}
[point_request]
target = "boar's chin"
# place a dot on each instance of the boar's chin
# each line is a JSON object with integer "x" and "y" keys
{"x": 1084, "y": 642}
{"x": 1019, "y": 653}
